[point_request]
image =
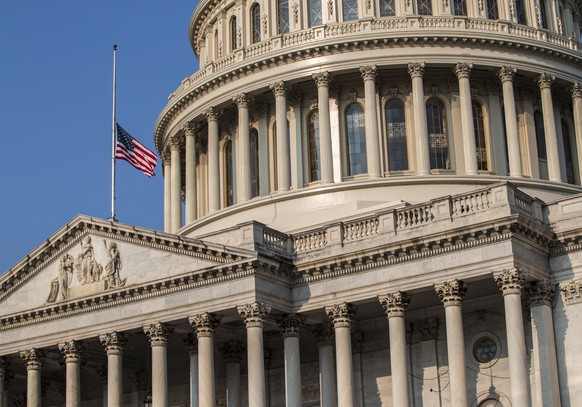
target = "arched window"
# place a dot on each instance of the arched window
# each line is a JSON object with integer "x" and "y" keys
{"x": 479, "y": 137}
{"x": 492, "y": 10}
{"x": 387, "y": 8}
{"x": 233, "y": 35}
{"x": 520, "y": 12}
{"x": 254, "y": 147}
{"x": 256, "y": 22}
{"x": 350, "y": 9}
{"x": 314, "y": 152}
{"x": 396, "y": 136}
{"x": 490, "y": 403}
{"x": 228, "y": 174}
{"x": 459, "y": 8}
{"x": 356, "y": 140}
{"x": 438, "y": 142}
{"x": 315, "y": 13}
{"x": 568, "y": 153}
{"x": 543, "y": 15}
{"x": 424, "y": 7}
{"x": 283, "y": 11}
{"x": 541, "y": 144}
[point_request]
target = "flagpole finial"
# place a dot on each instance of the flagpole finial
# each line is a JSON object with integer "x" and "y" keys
{"x": 114, "y": 47}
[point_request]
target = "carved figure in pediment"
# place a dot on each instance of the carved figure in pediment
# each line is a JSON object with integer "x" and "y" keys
{"x": 60, "y": 285}
{"x": 88, "y": 270}
{"x": 113, "y": 267}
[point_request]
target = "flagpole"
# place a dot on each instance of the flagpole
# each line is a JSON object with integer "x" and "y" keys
{"x": 113, "y": 135}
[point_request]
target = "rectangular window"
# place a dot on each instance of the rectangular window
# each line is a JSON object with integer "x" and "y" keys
{"x": 315, "y": 16}
{"x": 424, "y": 7}
{"x": 387, "y": 8}
{"x": 283, "y": 16}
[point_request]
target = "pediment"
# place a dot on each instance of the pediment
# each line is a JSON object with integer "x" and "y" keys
{"x": 90, "y": 257}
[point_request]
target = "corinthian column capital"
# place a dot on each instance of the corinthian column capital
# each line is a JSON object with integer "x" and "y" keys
{"x": 158, "y": 333}
{"x": 507, "y": 73}
{"x": 175, "y": 142}
{"x": 212, "y": 113}
{"x": 463, "y": 69}
{"x": 242, "y": 100}
{"x": 545, "y": 80}
{"x": 190, "y": 128}
{"x": 395, "y": 304}
{"x": 32, "y": 358}
{"x": 369, "y": 72}
{"x": 253, "y": 314}
{"x": 576, "y": 90}
{"x": 416, "y": 69}
{"x": 323, "y": 334}
{"x": 510, "y": 281}
{"x": 204, "y": 323}
{"x": 71, "y": 351}
{"x": 290, "y": 324}
{"x": 279, "y": 88}
{"x": 232, "y": 351}
{"x": 541, "y": 293}
{"x": 451, "y": 292}
{"x": 322, "y": 79}
{"x": 113, "y": 342}
{"x": 341, "y": 314}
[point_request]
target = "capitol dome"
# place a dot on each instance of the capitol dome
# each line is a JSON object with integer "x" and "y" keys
{"x": 366, "y": 203}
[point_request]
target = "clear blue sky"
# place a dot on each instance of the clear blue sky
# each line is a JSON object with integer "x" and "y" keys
{"x": 55, "y": 110}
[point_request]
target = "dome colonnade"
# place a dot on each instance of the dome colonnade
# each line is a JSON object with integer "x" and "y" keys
{"x": 297, "y": 115}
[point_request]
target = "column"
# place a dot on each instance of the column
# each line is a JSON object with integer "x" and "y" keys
{"x": 176, "y": 194}
{"x": 243, "y": 149}
{"x": 190, "y": 136}
{"x": 545, "y": 83}
{"x": 205, "y": 325}
{"x": 322, "y": 81}
{"x": 290, "y": 325}
{"x": 158, "y": 335}
{"x": 577, "y": 112}
{"x": 283, "y": 158}
{"x": 451, "y": 294}
{"x": 33, "y": 361}
{"x": 252, "y": 315}
{"x": 232, "y": 353}
{"x": 191, "y": 343}
{"x": 547, "y": 386}
{"x": 71, "y": 351}
{"x": 213, "y": 183}
{"x": 324, "y": 336}
{"x": 463, "y": 71}
{"x": 506, "y": 74}
{"x": 511, "y": 283}
{"x": 3, "y": 368}
{"x": 371, "y": 117}
{"x": 416, "y": 72}
{"x": 167, "y": 192}
{"x": 395, "y": 305}
{"x": 102, "y": 372}
{"x": 114, "y": 343}
{"x": 341, "y": 317}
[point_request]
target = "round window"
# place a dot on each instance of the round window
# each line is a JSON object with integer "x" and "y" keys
{"x": 485, "y": 349}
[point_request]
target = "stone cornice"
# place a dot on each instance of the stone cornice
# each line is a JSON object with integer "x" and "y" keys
{"x": 72, "y": 233}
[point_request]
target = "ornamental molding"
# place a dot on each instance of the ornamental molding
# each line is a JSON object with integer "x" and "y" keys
{"x": 253, "y": 314}
{"x": 395, "y": 304}
{"x": 451, "y": 292}
{"x": 572, "y": 292}
{"x": 341, "y": 315}
{"x": 290, "y": 325}
{"x": 204, "y": 324}
{"x": 541, "y": 293}
{"x": 199, "y": 88}
{"x": 510, "y": 281}
{"x": 113, "y": 342}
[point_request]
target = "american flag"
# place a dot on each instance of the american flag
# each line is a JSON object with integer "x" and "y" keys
{"x": 135, "y": 153}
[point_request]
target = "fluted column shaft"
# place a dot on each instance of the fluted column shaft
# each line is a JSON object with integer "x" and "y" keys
{"x": 290, "y": 324}
{"x": 451, "y": 295}
{"x": 72, "y": 353}
{"x": 545, "y": 82}
{"x": 176, "y": 194}
{"x": 158, "y": 334}
{"x": 395, "y": 305}
{"x": 341, "y": 317}
{"x": 213, "y": 184}
{"x": 511, "y": 284}
{"x": 189, "y": 133}
{"x": 205, "y": 325}
{"x": 33, "y": 361}
{"x": 232, "y": 353}
{"x": 243, "y": 149}
{"x": 167, "y": 193}
{"x": 544, "y": 344}
{"x": 324, "y": 337}
{"x": 326, "y": 156}
{"x": 371, "y": 117}
{"x": 577, "y": 111}
{"x": 283, "y": 158}
{"x": 253, "y": 315}
{"x": 194, "y": 374}
{"x": 463, "y": 71}
{"x": 114, "y": 343}
{"x": 506, "y": 75}
{"x": 416, "y": 72}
